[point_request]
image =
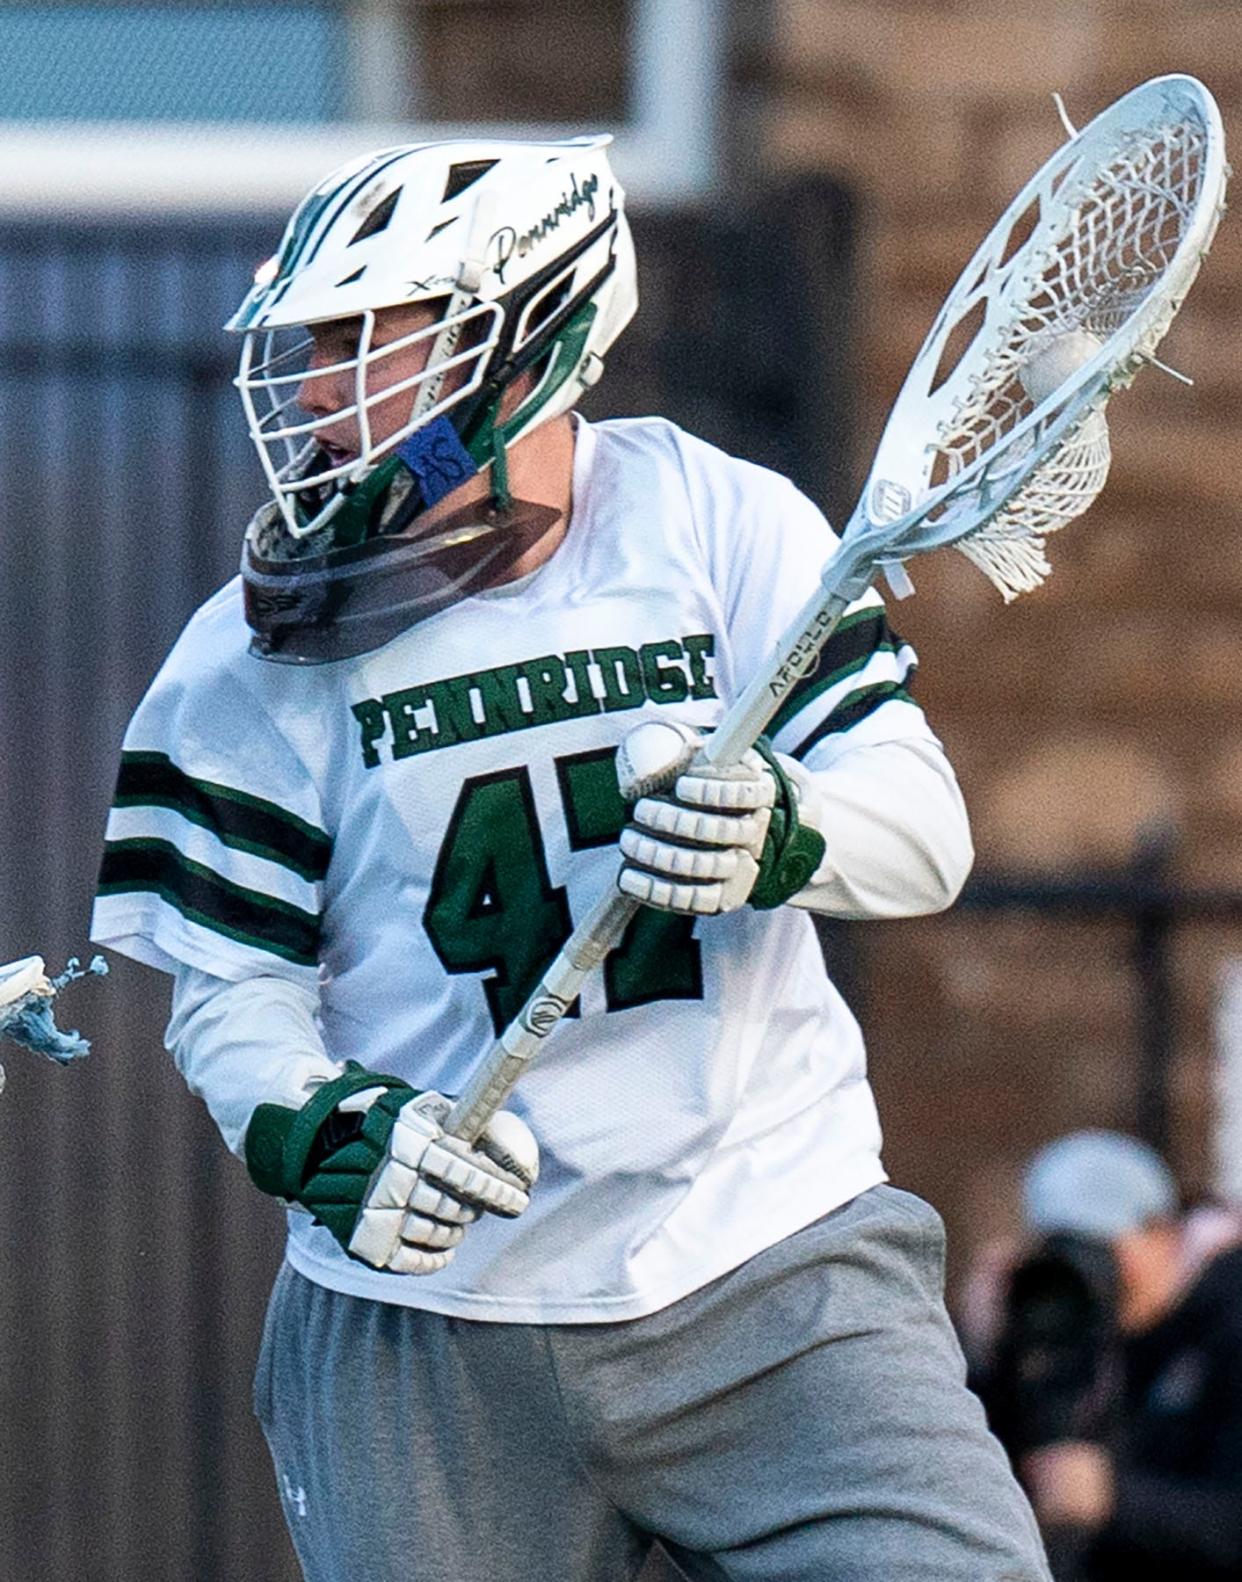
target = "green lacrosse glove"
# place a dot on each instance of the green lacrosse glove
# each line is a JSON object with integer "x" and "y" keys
{"x": 792, "y": 850}
{"x": 367, "y": 1155}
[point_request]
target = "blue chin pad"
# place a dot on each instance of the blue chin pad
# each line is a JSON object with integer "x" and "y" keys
{"x": 438, "y": 459}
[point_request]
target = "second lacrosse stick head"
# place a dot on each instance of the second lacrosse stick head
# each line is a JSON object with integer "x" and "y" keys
{"x": 26, "y": 1008}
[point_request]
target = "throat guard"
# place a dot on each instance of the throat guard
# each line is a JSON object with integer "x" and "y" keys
{"x": 312, "y": 600}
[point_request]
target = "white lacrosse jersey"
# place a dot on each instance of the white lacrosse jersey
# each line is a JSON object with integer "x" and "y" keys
{"x": 415, "y": 831}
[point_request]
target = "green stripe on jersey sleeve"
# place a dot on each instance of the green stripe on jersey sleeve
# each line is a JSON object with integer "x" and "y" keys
{"x": 862, "y": 637}
{"x": 237, "y": 819}
{"x": 856, "y": 707}
{"x": 156, "y": 867}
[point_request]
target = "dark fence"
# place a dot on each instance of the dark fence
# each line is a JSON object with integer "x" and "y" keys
{"x": 137, "y": 1258}
{"x": 1146, "y": 898}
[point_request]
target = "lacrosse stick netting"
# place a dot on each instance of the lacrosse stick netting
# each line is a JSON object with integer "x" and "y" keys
{"x": 1086, "y": 269}
{"x": 998, "y": 435}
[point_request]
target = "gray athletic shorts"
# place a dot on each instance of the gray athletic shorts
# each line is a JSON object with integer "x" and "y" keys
{"x": 802, "y": 1419}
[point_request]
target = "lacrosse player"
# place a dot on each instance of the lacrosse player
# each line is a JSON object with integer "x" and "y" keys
{"x": 668, "y": 1293}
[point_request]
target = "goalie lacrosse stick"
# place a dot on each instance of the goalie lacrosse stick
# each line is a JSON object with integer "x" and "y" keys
{"x": 991, "y": 445}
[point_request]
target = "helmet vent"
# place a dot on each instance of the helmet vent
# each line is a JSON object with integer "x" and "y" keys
{"x": 443, "y": 226}
{"x": 378, "y": 218}
{"x": 465, "y": 175}
{"x": 349, "y": 279}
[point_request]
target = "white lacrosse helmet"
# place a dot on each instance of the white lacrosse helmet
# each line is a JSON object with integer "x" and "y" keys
{"x": 524, "y": 247}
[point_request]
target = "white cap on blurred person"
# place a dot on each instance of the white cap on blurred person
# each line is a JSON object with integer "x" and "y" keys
{"x": 1096, "y": 1183}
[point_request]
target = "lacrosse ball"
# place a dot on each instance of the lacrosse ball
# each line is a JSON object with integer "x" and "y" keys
{"x": 1056, "y": 360}
{"x": 508, "y": 1141}
{"x": 652, "y": 755}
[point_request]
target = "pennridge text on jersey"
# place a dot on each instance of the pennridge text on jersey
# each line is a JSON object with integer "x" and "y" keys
{"x": 533, "y": 692}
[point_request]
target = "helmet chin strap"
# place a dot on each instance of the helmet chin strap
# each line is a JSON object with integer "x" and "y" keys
{"x": 502, "y": 500}
{"x": 350, "y": 524}
{"x": 433, "y": 463}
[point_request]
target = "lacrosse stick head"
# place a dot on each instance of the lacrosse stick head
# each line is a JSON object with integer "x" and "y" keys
{"x": 26, "y": 1008}
{"x": 998, "y": 436}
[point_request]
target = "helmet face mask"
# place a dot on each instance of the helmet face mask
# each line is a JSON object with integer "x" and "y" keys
{"x": 393, "y": 381}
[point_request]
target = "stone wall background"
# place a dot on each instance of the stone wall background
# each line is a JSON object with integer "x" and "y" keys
{"x": 1104, "y": 703}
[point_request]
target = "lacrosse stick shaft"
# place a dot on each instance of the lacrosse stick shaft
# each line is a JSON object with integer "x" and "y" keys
{"x": 797, "y": 651}
{"x": 497, "y": 1074}
{"x": 601, "y": 930}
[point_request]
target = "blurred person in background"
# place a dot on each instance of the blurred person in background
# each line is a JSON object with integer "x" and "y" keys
{"x": 1111, "y": 1365}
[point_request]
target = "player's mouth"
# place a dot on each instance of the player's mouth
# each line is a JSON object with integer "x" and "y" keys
{"x": 338, "y": 455}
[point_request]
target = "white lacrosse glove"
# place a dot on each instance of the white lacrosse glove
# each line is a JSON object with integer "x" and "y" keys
{"x": 721, "y": 837}
{"x": 368, "y": 1156}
